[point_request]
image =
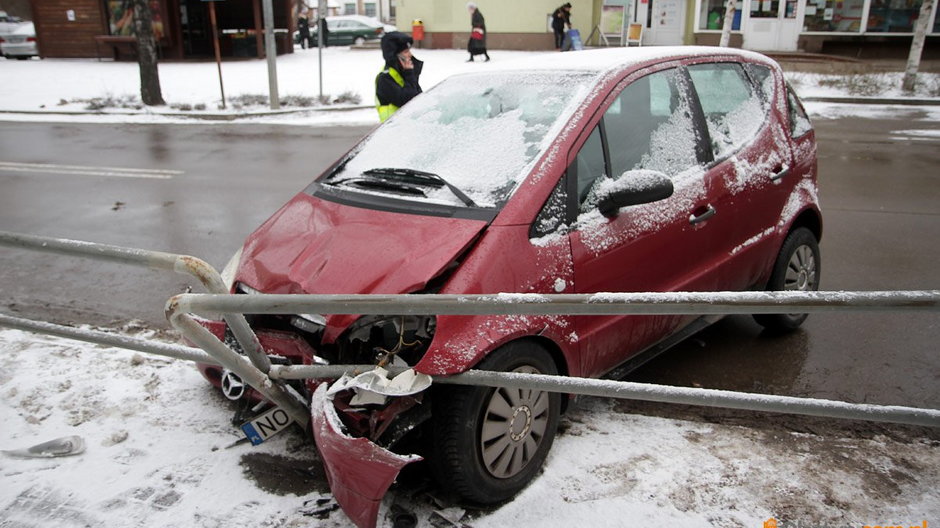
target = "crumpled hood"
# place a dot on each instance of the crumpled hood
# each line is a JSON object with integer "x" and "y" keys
{"x": 317, "y": 246}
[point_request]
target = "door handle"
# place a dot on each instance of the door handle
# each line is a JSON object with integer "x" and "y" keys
{"x": 779, "y": 173}
{"x": 701, "y": 217}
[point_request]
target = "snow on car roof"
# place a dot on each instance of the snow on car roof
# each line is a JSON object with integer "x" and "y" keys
{"x": 601, "y": 60}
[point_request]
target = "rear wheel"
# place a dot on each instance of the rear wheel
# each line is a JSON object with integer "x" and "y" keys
{"x": 359, "y": 41}
{"x": 796, "y": 269}
{"x": 490, "y": 443}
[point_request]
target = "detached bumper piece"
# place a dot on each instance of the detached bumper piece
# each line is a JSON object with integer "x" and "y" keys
{"x": 359, "y": 472}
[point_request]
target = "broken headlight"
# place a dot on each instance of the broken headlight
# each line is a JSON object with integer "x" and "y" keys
{"x": 388, "y": 340}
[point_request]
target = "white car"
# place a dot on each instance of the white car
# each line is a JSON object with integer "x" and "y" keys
{"x": 21, "y": 43}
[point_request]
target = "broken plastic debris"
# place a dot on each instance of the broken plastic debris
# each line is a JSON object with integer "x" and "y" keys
{"x": 65, "y": 446}
{"x": 373, "y": 386}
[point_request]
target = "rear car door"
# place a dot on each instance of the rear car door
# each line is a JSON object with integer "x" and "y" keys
{"x": 752, "y": 165}
{"x": 652, "y": 124}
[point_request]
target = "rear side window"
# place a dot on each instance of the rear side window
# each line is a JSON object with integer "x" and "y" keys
{"x": 732, "y": 109}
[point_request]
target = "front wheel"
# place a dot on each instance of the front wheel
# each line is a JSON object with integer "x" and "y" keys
{"x": 490, "y": 443}
{"x": 796, "y": 269}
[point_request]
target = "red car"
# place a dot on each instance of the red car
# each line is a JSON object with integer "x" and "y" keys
{"x": 620, "y": 170}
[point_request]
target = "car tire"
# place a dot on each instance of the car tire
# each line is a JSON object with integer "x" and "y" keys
{"x": 490, "y": 443}
{"x": 359, "y": 41}
{"x": 797, "y": 268}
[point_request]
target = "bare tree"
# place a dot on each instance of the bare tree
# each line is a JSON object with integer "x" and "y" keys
{"x": 150, "y": 92}
{"x": 917, "y": 46}
{"x": 726, "y": 27}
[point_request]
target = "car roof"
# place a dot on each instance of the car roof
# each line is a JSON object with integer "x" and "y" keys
{"x": 618, "y": 59}
{"x": 359, "y": 18}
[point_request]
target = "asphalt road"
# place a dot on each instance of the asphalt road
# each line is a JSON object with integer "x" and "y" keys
{"x": 200, "y": 189}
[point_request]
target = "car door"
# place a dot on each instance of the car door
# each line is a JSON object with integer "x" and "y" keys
{"x": 751, "y": 167}
{"x": 652, "y": 124}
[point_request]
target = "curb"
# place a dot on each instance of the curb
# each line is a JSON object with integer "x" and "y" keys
{"x": 204, "y": 116}
{"x": 906, "y": 101}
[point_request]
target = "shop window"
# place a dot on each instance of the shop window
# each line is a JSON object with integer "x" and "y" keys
{"x": 893, "y": 16}
{"x": 844, "y": 16}
{"x": 712, "y": 15}
{"x": 121, "y": 18}
{"x": 765, "y": 8}
{"x": 731, "y": 108}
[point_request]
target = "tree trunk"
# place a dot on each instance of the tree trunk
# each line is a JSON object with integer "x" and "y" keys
{"x": 726, "y": 27}
{"x": 150, "y": 92}
{"x": 917, "y": 46}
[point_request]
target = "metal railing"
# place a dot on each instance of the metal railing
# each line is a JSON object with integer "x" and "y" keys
{"x": 270, "y": 380}
{"x": 253, "y": 370}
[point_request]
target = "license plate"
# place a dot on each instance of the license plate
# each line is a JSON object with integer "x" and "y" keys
{"x": 265, "y": 426}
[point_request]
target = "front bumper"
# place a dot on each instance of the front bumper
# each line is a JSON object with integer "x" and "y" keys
{"x": 359, "y": 472}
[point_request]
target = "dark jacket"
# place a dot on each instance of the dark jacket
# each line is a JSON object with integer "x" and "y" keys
{"x": 560, "y": 18}
{"x": 477, "y": 21}
{"x": 387, "y": 90}
{"x": 303, "y": 27}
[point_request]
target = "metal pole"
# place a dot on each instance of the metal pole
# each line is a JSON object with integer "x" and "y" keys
{"x": 321, "y": 15}
{"x": 103, "y": 338}
{"x": 182, "y": 264}
{"x": 271, "y": 53}
{"x": 648, "y": 392}
{"x": 681, "y": 303}
{"x": 215, "y": 44}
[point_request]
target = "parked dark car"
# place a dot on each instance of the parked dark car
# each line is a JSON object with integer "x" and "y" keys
{"x": 620, "y": 170}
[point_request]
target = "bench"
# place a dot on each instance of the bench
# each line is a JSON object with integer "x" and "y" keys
{"x": 116, "y": 43}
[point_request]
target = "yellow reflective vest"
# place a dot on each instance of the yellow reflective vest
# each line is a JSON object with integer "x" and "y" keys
{"x": 386, "y": 111}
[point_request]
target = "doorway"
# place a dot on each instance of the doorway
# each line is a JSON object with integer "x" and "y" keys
{"x": 665, "y": 20}
{"x": 773, "y": 25}
{"x": 197, "y": 32}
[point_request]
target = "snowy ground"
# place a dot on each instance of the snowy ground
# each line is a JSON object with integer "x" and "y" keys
{"x": 159, "y": 440}
{"x": 158, "y": 454}
{"x": 50, "y": 87}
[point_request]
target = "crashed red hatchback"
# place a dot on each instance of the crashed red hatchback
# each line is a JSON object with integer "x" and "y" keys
{"x": 626, "y": 170}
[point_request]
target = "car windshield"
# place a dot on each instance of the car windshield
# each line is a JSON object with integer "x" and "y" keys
{"x": 478, "y": 133}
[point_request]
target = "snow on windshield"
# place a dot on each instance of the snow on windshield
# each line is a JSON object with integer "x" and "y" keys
{"x": 479, "y": 132}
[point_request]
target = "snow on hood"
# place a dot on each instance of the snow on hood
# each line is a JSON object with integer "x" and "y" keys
{"x": 316, "y": 246}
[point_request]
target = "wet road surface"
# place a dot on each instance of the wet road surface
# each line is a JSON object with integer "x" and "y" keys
{"x": 205, "y": 187}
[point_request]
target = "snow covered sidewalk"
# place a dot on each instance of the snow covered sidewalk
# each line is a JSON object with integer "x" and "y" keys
{"x": 91, "y": 91}
{"x": 160, "y": 454}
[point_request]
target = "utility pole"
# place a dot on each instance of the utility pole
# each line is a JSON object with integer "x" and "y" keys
{"x": 726, "y": 27}
{"x": 917, "y": 46}
{"x": 270, "y": 51}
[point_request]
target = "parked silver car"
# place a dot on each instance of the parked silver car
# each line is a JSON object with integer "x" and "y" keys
{"x": 21, "y": 43}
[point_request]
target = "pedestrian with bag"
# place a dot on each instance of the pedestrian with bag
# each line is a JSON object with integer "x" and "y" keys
{"x": 477, "y": 44}
{"x": 398, "y": 82}
{"x": 561, "y": 23}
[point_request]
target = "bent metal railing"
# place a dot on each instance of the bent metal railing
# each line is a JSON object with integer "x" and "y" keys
{"x": 269, "y": 379}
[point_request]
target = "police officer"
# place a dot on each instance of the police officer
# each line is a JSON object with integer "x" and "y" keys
{"x": 398, "y": 82}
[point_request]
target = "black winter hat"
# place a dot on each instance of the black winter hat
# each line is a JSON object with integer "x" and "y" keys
{"x": 394, "y": 43}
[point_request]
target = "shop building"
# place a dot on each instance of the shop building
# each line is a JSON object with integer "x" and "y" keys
{"x": 857, "y": 27}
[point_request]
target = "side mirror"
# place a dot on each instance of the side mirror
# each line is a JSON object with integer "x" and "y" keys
{"x": 633, "y": 188}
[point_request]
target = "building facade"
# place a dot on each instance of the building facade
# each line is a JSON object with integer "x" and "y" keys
{"x": 858, "y": 27}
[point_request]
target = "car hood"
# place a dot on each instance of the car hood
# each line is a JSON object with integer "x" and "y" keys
{"x": 316, "y": 246}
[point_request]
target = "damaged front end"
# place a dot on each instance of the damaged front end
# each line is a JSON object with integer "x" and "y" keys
{"x": 360, "y": 418}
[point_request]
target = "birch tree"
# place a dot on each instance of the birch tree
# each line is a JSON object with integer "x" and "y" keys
{"x": 150, "y": 92}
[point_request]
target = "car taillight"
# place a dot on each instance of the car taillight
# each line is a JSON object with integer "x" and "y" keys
{"x": 30, "y": 39}
{"x": 378, "y": 31}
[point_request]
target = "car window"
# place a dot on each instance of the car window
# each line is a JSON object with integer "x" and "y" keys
{"x": 554, "y": 213}
{"x": 589, "y": 165}
{"x": 733, "y": 111}
{"x": 764, "y": 80}
{"x": 649, "y": 126}
{"x": 799, "y": 121}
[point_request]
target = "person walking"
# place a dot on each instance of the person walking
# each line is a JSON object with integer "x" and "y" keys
{"x": 477, "y": 44}
{"x": 398, "y": 82}
{"x": 561, "y": 22}
{"x": 303, "y": 28}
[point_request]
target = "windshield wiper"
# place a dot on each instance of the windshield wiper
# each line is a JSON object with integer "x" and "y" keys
{"x": 417, "y": 177}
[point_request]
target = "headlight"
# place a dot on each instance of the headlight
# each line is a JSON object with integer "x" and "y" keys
{"x": 381, "y": 338}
